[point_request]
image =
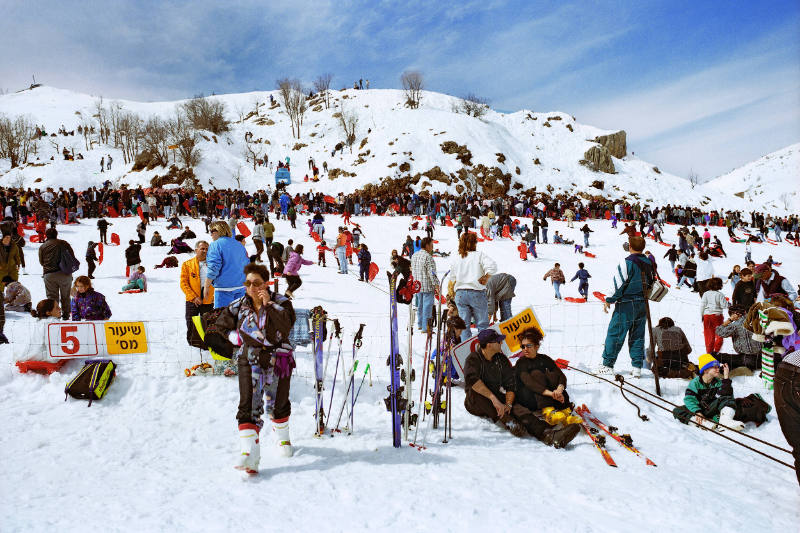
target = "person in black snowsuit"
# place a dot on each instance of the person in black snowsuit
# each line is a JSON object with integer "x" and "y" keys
{"x": 364, "y": 261}
{"x": 103, "y": 225}
{"x": 91, "y": 257}
{"x": 583, "y": 275}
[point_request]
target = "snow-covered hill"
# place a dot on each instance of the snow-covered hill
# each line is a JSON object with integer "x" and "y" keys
{"x": 770, "y": 183}
{"x": 526, "y": 149}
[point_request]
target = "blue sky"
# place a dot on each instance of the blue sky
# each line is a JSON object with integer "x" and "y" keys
{"x": 697, "y": 85}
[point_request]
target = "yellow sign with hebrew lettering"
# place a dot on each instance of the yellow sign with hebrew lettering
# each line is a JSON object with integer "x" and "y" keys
{"x": 125, "y": 337}
{"x": 516, "y": 324}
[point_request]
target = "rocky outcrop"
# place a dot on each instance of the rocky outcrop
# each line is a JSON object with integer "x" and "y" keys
{"x": 598, "y": 158}
{"x": 616, "y": 143}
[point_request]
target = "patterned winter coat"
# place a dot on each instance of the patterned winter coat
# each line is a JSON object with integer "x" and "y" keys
{"x": 90, "y": 305}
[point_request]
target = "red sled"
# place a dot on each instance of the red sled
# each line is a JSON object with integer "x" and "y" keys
{"x": 662, "y": 243}
{"x": 34, "y": 238}
{"x": 115, "y": 239}
{"x": 506, "y": 232}
{"x": 132, "y": 291}
{"x": 100, "y": 249}
{"x": 139, "y": 212}
{"x": 483, "y": 234}
{"x": 575, "y": 300}
{"x": 187, "y": 206}
{"x": 448, "y": 222}
{"x": 329, "y": 199}
{"x": 40, "y": 367}
{"x": 243, "y": 230}
{"x": 244, "y": 214}
{"x": 373, "y": 271}
{"x": 112, "y": 212}
{"x": 316, "y": 237}
{"x": 589, "y": 254}
{"x": 600, "y": 296}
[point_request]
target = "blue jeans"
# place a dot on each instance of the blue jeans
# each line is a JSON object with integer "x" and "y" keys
{"x": 684, "y": 278}
{"x": 341, "y": 253}
{"x": 557, "y": 287}
{"x": 224, "y": 298}
{"x": 472, "y": 305}
{"x": 629, "y": 318}
{"x": 586, "y": 239}
{"x": 505, "y": 309}
{"x": 544, "y": 235}
{"x": 424, "y": 301}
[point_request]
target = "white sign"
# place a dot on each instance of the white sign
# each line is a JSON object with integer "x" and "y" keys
{"x": 72, "y": 339}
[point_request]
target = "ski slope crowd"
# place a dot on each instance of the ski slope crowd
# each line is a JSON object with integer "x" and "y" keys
{"x": 235, "y": 308}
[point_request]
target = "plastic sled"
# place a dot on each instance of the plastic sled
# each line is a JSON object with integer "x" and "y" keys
{"x": 575, "y": 300}
{"x": 100, "y": 249}
{"x": 243, "y": 230}
{"x": 599, "y": 295}
{"x": 373, "y": 271}
{"x": 114, "y": 239}
{"x": 40, "y": 367}
{"x": 589, "y": 254}
{"x": 34, "y": 238}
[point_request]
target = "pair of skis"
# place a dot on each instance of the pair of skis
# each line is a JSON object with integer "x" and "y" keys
{"x": 599, "y": 441}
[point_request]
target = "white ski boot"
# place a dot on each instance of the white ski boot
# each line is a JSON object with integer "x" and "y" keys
{"x": 603, "y": 370}
{"x": 280, "y": 429}
{"x": 726, "y": 419}
{"x": 636, "y": 372}
{"x": 251, "y": 449}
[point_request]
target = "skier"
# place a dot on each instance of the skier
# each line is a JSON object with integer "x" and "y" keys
{"x": 629, "y": 316}
{"x": 265, "y": 360}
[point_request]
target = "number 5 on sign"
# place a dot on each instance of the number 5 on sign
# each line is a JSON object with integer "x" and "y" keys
{"x": 72, "y": 339}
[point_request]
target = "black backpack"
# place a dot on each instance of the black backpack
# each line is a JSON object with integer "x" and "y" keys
{"x": 92, "y": 381}
{"x": 68, "y": 264}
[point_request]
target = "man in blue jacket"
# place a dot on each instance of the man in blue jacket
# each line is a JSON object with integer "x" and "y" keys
{"x": 630, "y": 312}
{"x": 226, "y": 260}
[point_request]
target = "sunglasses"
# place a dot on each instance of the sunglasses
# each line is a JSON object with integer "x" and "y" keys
{"x": 529, "y": 346}
{"x": 254, "y": 283}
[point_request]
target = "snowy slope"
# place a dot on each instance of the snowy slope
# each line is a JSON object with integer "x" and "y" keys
{"x": 392, "y": 135}
{"x": 156, "y": 453}
{"x": 769, "y": 183}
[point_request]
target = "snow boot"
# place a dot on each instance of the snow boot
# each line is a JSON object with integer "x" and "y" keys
{"x": 560, "y": 435}
{"x": 636, "y": 372}
{"x": 251, "y": 449}
{"x": 603, "y": 370}
{"x": 513, "y": 426}
{"x": 280, "y": 429}
{"x": 726, "y": 419}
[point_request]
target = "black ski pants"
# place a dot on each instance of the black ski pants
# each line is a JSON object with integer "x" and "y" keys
{"x": 481, "y": 406}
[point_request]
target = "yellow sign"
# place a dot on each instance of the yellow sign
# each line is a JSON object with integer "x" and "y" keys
{"x": 172, "y": 147}
{"x": 516, "y": 324}
{"x": 125, "y": 337}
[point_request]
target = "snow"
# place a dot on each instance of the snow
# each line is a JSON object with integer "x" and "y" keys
{"x": 157, "y": 452}
{"x": 762, "y": 183}
{"x": 394, "y": 135}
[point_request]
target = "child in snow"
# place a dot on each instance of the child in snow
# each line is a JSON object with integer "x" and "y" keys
{"x": 556, "y": 275}
{"x": 712, "y": 305}
{"x": 156, "y": 240}
{"x": 364, "y": 260}
{"x": 91, "y": 257}
{"x": 17, "y": 296}
{"x": 583, "y": 285}
{"x": 709, "y": 400}
{"x": 87, "y": 303}
{"x": 523, "y": 251}
{"x": 137, "y": 281}
{"x": 321, "y": 249}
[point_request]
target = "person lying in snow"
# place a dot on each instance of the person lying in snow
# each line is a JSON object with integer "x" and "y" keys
{"x": 179, "y": 247}
{"x": 174, "y": 222}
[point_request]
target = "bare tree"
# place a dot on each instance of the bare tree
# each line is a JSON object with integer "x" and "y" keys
{"x": 472, "y": 105}
{"x": 85, "y": 128}
{"x": 182, "y": 135}
{"x": 348, "y": 121}
{"x": 115, "y": 115}
{"x": 101, "y": 115}
{"x": 413, "y": 83}
{"x": 130, "y": 132}
{"x": 322, "y": 85}
{"x": 156, "y": 139}
{"x": 17, "y": 139}
{"x": 253, "y": 151}
{"x": 240, "y": 111}
{"x": 237, "y": 177}
{"x": 693, "y": 178}
{"x": 294, "y": 102}
{"x": 206, "y": 114}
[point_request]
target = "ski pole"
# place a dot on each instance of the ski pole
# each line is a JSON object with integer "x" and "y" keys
{"x": 344, "y": 401}
{"x": 367, "y": 369}
{"x": 357, "y": 341}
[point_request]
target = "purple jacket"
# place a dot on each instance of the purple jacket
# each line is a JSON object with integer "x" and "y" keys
{"x": 294, "y": 263}
{"x": 90, "y": 305}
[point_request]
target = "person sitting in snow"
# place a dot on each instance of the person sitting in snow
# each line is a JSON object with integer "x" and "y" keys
{"x": 187, "y": 234}
{"x": 156, "y": 240}
{"x": 709, "y": 400}
{"x": 17, "y": 296}
{"x": 174, "y": 222}
{"x": 137, "y": 281}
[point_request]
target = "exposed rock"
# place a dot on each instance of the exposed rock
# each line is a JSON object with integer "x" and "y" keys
{"x": 173, "y": 177}
{"x": 536, "y": 161}
{"x": 336, "y": 172}
{"x": 298, "y": 146}
{"x": 501, "y": 158}
{"x": 462, "y": 152}
{"x": 404, "y": 167}
{"x": 554, "y": 118}
{"x": 363, "y": 142}
{"x": 517, "y": 171}
{"x": 616, "y": 143}
{"x": 569, "y": 127}
{"x": 598, "y": 158}
{"x": 655, "y": 169}
{"x": 597, "y": 184}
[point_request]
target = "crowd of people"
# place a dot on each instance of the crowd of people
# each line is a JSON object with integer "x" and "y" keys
{"x": 230, "y": 291}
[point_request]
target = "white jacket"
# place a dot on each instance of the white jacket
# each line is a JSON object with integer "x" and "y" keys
{"x": 465, "y": 271}
{"x": 705, "y": 269}
{"x": 712, "y": 303}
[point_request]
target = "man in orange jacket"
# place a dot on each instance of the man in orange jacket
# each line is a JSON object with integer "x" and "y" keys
{"x": 193, "y": 281}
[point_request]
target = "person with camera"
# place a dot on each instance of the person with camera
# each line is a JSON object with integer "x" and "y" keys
{"x": 748, "y": 350}
{"x": 630, "y": 308}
